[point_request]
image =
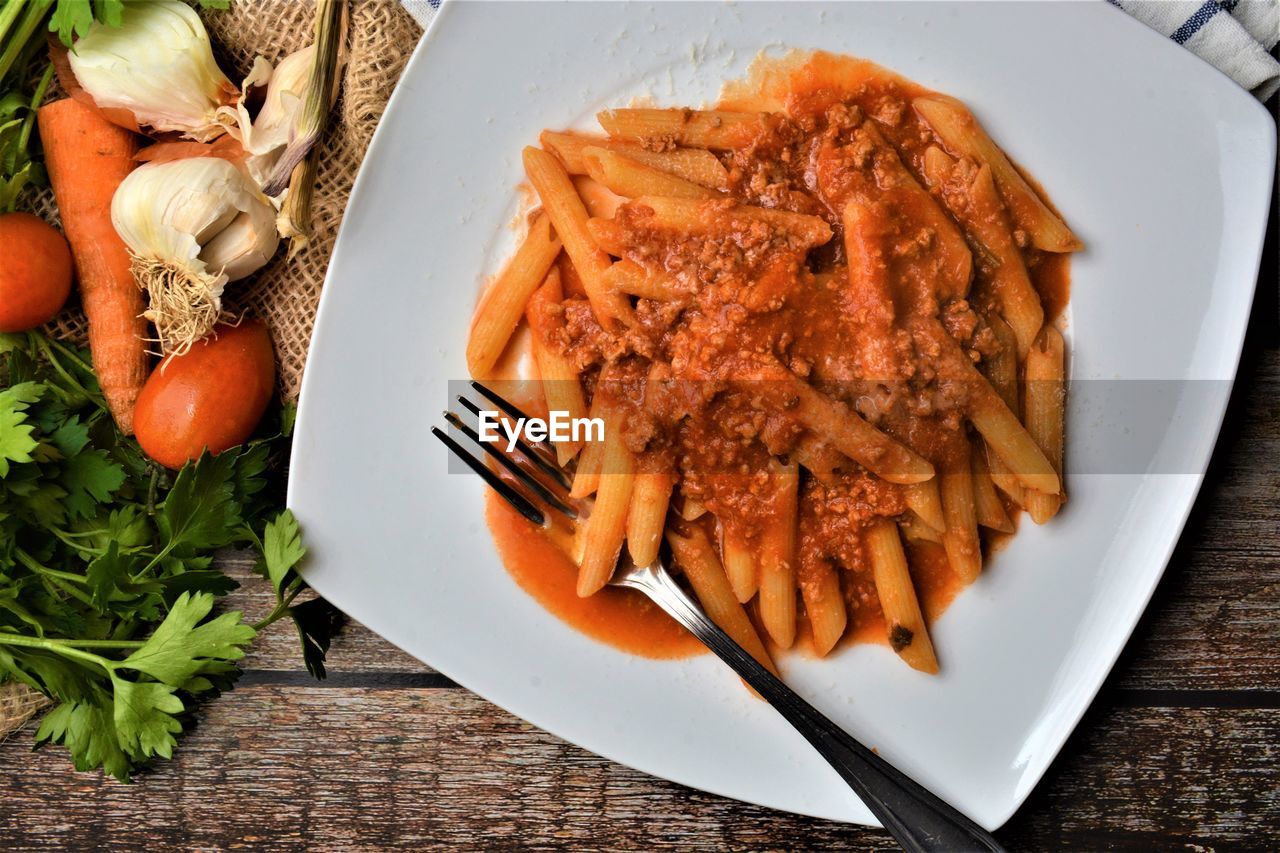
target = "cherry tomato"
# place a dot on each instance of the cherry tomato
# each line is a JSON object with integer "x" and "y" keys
{"x": 210, "y": 397}
{"x": 35, "y": 272}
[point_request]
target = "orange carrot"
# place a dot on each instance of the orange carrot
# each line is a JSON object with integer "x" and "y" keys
{"x": 87, "y": 158}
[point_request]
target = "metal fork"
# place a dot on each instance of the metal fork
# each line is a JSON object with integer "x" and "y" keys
{"x": 917, "y": 819}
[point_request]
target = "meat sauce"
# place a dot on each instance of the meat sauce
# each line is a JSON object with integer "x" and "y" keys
{"x": 694, "y": 373}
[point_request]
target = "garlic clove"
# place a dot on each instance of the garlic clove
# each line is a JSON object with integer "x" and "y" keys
{"x": 245, "y": 245}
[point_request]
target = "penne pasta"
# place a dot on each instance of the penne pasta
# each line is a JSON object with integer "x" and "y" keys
{"x": 692, "y": 509}
{"x": 990, "y": 416}
{"x": 1003, "y": 478}
{"x": 632, "y": 179}
{"x": 978, "y": 208}
{"x": 960, "y": 539}
{"x": 819, "y": 458}
{"x": 697, "y": 128}
{"x": 569, "y": 217}
{"x": 846, "y": 431}
{"x": 925, "y": 500}
{"x": 990, "y": 511}
{"x": 721, "y": 217}
{"x": 903, "y": 620}
{"x": 954, "y": 270}
{"x": 586, "y": 479}
{"x": 693, "y": 553}
{"x": 647, "y": 516}
{"x": 608, "y": 235}
{"x": 823, "y": 604}
{"x": 915, "y": 530}
{"x": 560, "y": 384}
{"x": 739, "y": 565}
{"x": 598, "y": 199}
{"x": 778, "y": 557}
{"x": 961, "y": 133}
{"x": 692, "y": 164}
{"x": 607, "y": 525}
{"x": 504, "y": 302}
{"x": 629, "y": 277}
{"x": 1045, "y": 399}
{"x": 1001, "y": 368}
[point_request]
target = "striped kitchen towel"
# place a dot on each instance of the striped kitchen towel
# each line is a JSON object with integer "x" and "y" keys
{"x": 1235, "y": 36}
{"x": 1232, "y": 35}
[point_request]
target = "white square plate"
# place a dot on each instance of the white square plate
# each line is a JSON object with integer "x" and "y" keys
{"x": 1159, "y": 163}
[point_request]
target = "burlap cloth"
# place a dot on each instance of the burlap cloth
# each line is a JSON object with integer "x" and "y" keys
{"x": 285, "y": 293}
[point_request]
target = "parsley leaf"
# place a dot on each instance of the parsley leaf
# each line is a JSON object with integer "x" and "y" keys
{"x": 178, "y": 649}
{"x": 16, "y": 443}
{"x": 281, "y": 549}
{"x": 90, "y": 478}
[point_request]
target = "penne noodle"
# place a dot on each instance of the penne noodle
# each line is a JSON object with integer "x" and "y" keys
{"x": 819, "y": 458}
{"x": 692, "y": 164}
{"x": 570, "y": 281}
{"x": 608, "y": 235}
{"x": 960, "y": 539}
{"x": 586, "y": 479}
{"x": 1002, "y": 367}
{"x": 739, "y": 565}
{"x": 955, "y": 261}
{"x": 980, "y": 211}
{"x": 990, "y": 416}
{"x": 1045, "y": 400}
{"x": 917, "y": 531}
{"x": 698, "y": 561}
{"x": 569, "y": 217}
{"x": 991, "y": 512}
{"x": 697, "y": 128}
{"x": 598, "y": 199}
{"x": 903, "y": 620}
{"x": 961, "y": 133}
{"x": 1010, "y": 283}
{"x": 868, "y": 267}
{"x": 504, "y": 302}
{"x": 632, "y": 179}
{"x": 691, "y": 509}
{"x": 823, "y": 604}
{"x": 560, "y": 384}
{"x": 1003, "y": 478}
{"x": 778, "y": 557}
{"x": 607, "y": 525}
{"x": 1011, "y": 441}
{"x": 846, "y": 431}
{"x": 721, "y": 217}
{"x": 647, "y": 515}
{"x": 629, "y": 277}
{"x": 925, "y": 500}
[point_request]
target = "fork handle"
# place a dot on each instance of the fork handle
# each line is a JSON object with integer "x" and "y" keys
{"x": 917, "y": 819}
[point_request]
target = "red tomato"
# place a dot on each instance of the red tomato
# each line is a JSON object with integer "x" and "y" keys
{"x": 211, "y": 397}
{"x": 35, "y": 272}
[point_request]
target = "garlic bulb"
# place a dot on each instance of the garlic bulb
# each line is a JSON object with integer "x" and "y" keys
{"x": 191, "y": 226}
{"x": 158, "y": 66}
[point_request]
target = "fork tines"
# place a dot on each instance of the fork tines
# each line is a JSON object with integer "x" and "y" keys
{"x": 527, "y": 478}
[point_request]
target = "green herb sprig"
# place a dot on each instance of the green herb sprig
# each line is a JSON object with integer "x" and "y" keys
{"x": 107, "y": 582}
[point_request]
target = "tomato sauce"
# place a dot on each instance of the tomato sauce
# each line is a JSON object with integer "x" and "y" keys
{"x": 622, "y": 618}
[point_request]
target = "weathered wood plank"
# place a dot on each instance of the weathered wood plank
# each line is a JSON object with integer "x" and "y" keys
{"x": 378, "y": 768}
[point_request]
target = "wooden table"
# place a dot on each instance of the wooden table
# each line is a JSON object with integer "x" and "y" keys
{"x": 1179, "y": 750}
